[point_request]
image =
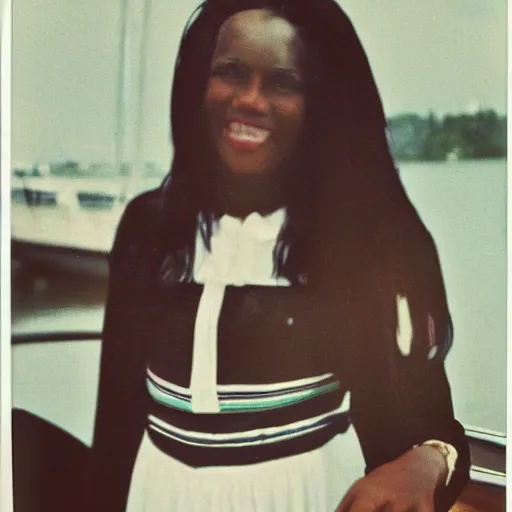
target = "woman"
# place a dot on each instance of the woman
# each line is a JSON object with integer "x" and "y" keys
{"x": 278, "y": 273}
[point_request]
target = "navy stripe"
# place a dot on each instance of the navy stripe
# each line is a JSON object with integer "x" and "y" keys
{"x": 259, "y": 438}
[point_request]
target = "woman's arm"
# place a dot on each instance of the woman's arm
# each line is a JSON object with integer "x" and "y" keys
{"x": 402, "y": 397}
{"x": 120, "y": 414}
{"x": 409, "y": 405}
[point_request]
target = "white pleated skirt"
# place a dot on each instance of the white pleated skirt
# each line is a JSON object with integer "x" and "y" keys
{"x": 315, "y": 481}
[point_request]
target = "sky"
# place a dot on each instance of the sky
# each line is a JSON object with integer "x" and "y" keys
{"x": 448, "y": 56}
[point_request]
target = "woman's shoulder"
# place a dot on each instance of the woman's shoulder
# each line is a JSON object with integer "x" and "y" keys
{"x": 143, "y": 211}
{"x": 138, "y": 228}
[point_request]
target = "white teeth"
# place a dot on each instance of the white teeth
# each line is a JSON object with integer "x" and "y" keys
{"x": 243, "y": 132}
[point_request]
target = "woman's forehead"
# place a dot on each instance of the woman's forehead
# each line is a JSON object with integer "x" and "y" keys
{"x": 258, "y": 30}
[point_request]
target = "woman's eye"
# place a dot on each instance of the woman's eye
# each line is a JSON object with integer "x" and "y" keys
{"x": 229, "y": 70}
{"x": 287, "y": 83}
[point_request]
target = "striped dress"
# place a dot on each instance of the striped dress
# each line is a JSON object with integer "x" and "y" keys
{"x": 237, "y": 426}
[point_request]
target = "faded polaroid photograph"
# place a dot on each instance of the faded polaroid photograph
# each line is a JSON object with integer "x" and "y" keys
{"x": 259, "y": 255}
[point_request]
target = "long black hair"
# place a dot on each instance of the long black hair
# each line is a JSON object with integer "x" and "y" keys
{"x": 351, "y": 230}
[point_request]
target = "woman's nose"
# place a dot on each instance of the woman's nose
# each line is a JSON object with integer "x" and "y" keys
{"x": 251, "y": 97}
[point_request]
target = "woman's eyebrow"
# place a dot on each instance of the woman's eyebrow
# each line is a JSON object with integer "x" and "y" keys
{"x": 222, "y": 60}
{"x": 278, "y": 69}
{"x": 288, "y": 70}
{"x": 227, "y": 58}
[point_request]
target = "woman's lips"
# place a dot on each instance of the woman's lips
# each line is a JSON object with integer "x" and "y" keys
{"x": 245, "y": 136}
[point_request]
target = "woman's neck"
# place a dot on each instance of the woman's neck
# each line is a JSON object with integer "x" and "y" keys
{"x": 240, "y": 195}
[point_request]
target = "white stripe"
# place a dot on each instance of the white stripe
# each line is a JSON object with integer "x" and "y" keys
{"x": 203, "y": 379}
{"x": 244, "y": 388}
{"x": 169, "y": 385}
{"x": 269, "y": 431}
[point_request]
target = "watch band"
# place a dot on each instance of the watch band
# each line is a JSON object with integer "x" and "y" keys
{"x": 448, "y": 452}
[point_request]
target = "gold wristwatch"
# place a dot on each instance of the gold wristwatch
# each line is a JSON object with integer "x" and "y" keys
{"x": 447, "y": 451}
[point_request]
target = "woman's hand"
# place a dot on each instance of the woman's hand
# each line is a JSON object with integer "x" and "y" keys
{"x": 406, "y": 484}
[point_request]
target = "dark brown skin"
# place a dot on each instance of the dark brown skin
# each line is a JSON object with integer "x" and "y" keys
{"x": 256, "y": 79}
{"x": 406, "y": 484}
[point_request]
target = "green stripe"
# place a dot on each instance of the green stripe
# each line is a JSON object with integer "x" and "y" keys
{"x": 169, "y": 401}
{"x": 247, "y": 405}
{"x": 254, "y": 405}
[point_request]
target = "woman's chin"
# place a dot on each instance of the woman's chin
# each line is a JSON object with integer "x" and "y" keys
{"x": 246, "y": 170}
{"x": 242, "y": 171}
{"x": 245, "y": 164}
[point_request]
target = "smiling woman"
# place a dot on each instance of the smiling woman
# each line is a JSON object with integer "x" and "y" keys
{"x": 254, "y": 106}
{"x": 254, "y": 97}
{"x": 278, "y": 293}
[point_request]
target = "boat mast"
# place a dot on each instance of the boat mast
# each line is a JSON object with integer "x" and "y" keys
{"x": 130, "y": 96}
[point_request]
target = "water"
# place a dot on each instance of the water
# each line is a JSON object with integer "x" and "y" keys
{"x": 464, "y": 206}
{"x": 462, "y": 203}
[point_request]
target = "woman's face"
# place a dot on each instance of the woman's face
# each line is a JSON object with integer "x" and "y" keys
{"x": 255, "y": 96}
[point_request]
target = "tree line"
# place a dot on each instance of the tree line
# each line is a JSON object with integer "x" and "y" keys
{"x": 451, "y": 137}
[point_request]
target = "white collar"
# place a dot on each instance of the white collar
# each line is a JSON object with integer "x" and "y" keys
{"x": 242, "y": 251}
{"x": 254, "y": 226}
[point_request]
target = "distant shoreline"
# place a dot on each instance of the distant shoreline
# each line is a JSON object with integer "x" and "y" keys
{"x": 478, "y": 135}
{"x": 439, "y": 161}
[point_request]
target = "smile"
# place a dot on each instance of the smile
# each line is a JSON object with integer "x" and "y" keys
{"x": 244, "y": 136}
